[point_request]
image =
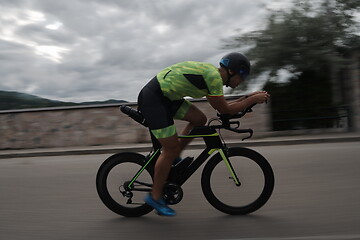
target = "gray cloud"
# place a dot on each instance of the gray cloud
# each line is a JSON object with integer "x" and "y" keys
{"x": 101, "y": 49}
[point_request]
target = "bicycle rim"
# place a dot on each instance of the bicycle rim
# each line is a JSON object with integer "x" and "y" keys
{"x": 254, "y": 173}
{"x": 112, "y": 182}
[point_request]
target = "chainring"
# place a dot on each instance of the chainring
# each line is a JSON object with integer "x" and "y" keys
{"x": 173, "y": 193}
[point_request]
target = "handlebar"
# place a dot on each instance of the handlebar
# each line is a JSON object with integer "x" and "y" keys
{"x": 237, "y": 130}
{"x": 249, "y": 130}
{"x": 226, "y": 117}
{"x": 226, "y": 123}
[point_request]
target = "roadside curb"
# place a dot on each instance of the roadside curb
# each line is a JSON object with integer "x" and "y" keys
{"x": 147, "y": 147}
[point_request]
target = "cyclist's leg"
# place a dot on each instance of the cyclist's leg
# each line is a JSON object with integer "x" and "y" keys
{"x": 190, "y": 113}
{"x": 158, "y": 114}
{"x": 170, "y": 150}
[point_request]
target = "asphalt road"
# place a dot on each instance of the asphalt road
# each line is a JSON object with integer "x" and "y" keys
{"x": 316, "y": 196}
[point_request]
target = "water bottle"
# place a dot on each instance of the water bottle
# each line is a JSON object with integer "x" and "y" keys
{"x": 134, "y": 114}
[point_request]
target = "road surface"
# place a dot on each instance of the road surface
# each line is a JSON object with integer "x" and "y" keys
{"x": 316, "y": 196}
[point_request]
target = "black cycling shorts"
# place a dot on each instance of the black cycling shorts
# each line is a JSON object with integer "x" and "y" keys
{"x": 159, "y": 111}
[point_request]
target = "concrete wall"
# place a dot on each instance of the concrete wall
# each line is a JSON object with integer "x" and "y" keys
{"x": 94, "y": 125}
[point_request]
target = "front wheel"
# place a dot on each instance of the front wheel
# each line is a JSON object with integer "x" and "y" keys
{"x": 254, "y": 173}
{"x": 115, "y": 188}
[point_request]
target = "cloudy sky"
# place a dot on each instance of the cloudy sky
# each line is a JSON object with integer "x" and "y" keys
{"x": 85, "y": 50}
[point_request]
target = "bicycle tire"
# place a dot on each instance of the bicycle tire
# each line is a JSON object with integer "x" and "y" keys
{"x": 216, "y": 199}
{"x": 102, "y": 183}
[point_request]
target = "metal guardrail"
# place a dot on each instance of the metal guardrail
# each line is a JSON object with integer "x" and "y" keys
{"x": 331, "y": 117}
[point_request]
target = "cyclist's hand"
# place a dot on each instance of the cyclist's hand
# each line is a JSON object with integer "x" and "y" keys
{"x": 260, "y": 97}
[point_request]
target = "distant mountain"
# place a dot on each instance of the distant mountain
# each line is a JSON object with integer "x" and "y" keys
{"x": 17, "y": 100}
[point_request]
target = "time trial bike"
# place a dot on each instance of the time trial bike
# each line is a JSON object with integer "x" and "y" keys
{"x": 235, "y": 180}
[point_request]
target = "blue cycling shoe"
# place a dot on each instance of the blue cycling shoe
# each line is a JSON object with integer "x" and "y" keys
{"x": 160, "y": 206}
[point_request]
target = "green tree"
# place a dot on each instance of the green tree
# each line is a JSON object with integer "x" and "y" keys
{"x": 311, "y": 35}
{"x": 309, "y": 41}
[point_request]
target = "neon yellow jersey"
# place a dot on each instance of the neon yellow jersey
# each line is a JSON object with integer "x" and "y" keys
{"x": 190, "y": 79}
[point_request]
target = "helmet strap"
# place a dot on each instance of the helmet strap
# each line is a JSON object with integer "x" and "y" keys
{"x": 229, "y": 77}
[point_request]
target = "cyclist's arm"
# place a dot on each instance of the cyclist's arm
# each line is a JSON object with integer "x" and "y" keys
{"x": 251, "y": 94}
{"x": 222, "y": 106}
{"x": 239, "y": 99}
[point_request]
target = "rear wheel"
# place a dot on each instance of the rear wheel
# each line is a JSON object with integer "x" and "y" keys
{"x": 254, "y": 173}
{"x": 112, "y": 183}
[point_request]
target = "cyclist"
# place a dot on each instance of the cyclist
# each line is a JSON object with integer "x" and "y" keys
{"x": 162, "y": 100}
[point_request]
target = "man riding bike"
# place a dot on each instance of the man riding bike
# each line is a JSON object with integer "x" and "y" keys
{"x": 162, "y": 100}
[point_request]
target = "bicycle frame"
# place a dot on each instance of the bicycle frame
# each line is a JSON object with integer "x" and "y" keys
{"x": 213, "y": 144}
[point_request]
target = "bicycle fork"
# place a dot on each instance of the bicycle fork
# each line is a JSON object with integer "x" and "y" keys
{"x": 228, "y": 164}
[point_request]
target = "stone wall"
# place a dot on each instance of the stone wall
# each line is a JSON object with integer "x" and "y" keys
{"x": 94, "y": 125}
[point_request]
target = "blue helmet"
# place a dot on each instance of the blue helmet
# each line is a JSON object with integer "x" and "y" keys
{"x": 237, "y": 63}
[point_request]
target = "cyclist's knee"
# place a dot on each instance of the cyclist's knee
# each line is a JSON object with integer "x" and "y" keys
{"x": 196, "y": 117}
{"x": 202, "y": 119}
{"x": 199, "y": 120}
